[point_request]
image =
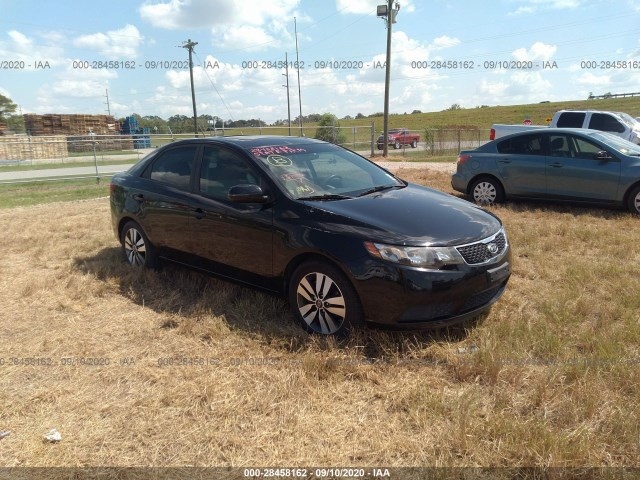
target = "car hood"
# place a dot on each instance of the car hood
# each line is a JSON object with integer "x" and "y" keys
{"x": 413, "y": 215}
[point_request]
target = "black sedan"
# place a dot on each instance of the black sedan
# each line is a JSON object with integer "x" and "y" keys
{"x": 343, "y": 239}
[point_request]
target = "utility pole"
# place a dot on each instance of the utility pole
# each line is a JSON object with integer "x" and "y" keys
{"x": 286, "y": 74}
{"x": 295, "y": 26}
{"x": 390, "y": 13}
{"x": 189, "y": 45}
{"x": 107, "y": 102}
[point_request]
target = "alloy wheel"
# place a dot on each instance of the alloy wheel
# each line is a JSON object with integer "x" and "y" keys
{"x": 135, "y": 248}
{"x": 321, "y": 303}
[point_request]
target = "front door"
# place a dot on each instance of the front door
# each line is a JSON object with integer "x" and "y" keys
{"x": 238, "y": 235}
{"x": 573, "y": 172}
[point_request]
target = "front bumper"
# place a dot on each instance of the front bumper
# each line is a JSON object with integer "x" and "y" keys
{"x": 410, "y": 297}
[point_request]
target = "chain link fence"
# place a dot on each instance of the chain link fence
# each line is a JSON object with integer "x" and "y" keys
{"x": 36, "y": 150}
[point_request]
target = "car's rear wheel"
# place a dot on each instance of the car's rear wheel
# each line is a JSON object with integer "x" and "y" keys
{"x": 397, "y": 145}
{"x": 414, "y": 144}
{"x": 633, "y": 202}
{"x": 487, "y": 191}
{"x": 137, "y": 248}
{"x": 323, "y": 300}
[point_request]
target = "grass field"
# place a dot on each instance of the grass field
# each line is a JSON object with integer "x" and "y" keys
{"x": 174, "y": 368}
{"x": 34, "y": 193}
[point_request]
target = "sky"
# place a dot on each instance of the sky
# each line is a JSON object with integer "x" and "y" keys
{"x": 67, "y": 56}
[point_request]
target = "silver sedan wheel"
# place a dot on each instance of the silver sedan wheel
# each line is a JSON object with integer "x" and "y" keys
{"x": 485, "y": 193}
{"x": 135, "y": 248}
{"x": 636, "y": 202}
{"x": 321, "y": 303}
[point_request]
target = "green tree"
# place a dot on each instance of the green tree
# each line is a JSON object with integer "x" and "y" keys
{"x": 7, "y": 108}
{"x": 328, "y": 129}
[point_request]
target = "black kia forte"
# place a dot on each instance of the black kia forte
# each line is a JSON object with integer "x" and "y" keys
{"x": 343, "y": 239}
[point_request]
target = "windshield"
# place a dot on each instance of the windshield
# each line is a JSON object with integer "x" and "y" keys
{"x": 318, "y": 170}
{"x": 628, "y": 119}
{"x": 617, "y": 143}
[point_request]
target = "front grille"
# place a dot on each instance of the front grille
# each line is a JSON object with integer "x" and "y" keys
{"x": 479, "y": 252}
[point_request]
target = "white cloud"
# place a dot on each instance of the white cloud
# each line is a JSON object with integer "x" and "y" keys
{"x": 589, "y": 78}
{"x": 113, "y": 44}
{"x": 250, "y": 24}
{"x": 244, "y": 37}
{"x": 538, "y": 51}
{"x": 533, "y": 6}
{"x": 363, "y": 7}
{"x": 23, "y": 48}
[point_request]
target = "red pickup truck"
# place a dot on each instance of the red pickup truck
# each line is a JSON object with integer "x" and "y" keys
{"x": 399, "y": 137}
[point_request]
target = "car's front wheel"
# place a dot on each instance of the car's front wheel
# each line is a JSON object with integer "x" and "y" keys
{"x": 323, "y": 300}
{"x": 487, "y": 191}
{"x": 634, "y": 200}
{"x": 397, "y": 145}
{"x": 414, "y": 144}
{"x": 137, "y": 248}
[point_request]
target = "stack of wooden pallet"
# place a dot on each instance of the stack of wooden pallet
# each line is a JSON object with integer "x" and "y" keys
{"x": 64, "y": 124}
{"x": 21, "y": 147}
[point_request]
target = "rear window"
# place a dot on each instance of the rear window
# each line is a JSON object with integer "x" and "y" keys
{"x": 606, "y": 123}
{"x": 522, "y": 145}
{"x": 571, "y": 120}
{"x": 174, "y": 167}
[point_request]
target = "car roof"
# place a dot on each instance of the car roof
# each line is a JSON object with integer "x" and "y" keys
{"x": 583, "y": 131}
{"x": 250, "y": 141}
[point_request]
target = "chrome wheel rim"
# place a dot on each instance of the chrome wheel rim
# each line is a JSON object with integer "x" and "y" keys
{"x": 134, "y": 247}
{"x": 636, "y": 202}
{"x": 321, "y": 303}
{"x": 485, "y": 193}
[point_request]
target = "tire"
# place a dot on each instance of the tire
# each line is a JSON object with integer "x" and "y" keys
{"x": 633, "y": 202}
{"x": 397, "y": 145}
{"x": 487, "y": 191}
{"x": 323, "y": 300}
{"x": 414, "y": 144}
{"x": 137, "y": 249}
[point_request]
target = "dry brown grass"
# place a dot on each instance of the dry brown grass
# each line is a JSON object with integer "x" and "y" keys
{"x": 550, "y": 377}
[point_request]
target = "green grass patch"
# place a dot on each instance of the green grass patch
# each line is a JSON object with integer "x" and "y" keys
{"x": 35, "y": 193}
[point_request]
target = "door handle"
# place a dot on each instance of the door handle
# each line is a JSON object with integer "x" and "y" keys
{"x": 556, "y": 165}
{"x": 199, "y": 213}
{"x": 138, "y": 197}
{"x": 504, "y": 160}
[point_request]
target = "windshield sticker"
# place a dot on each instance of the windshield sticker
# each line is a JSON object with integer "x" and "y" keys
{"x": 304, "y": 189}
{"x": 279, "y": 161}
{"x": 296, "y": 177}
{"x": 275, "y": 150}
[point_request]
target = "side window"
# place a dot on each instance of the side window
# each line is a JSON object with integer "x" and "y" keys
{"x": 522, "y": 145}
{"x": 223, "y": 169}
{"x": 605, "y": 123}
{"x": 174, "y": 167}
{"x": 571, "y": 120}
{"x": 585, "y": 149}
{"x": 559, "y": 146}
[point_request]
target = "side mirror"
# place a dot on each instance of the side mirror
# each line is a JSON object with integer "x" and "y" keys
{"x": 247, "y": 193}
{"x": 602, "y": 155}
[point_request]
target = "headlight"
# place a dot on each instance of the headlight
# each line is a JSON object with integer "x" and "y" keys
{"x": 424, "y": 257}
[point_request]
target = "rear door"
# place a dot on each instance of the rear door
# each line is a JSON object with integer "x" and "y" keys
{"x": 521, "y": 165}
{"x": 164, "y": 197}
{"x": 574, "y": 173}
